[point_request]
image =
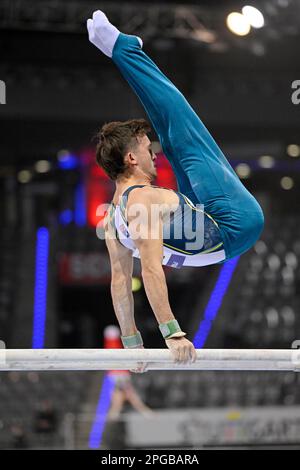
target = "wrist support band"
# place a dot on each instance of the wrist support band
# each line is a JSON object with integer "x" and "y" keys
{"x": 171, "y": 329}
{"x": 134, "y": 341}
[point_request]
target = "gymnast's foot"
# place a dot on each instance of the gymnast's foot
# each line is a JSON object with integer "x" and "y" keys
{"x": 103, "y": 34}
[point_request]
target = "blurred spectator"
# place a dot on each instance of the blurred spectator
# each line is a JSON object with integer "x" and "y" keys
{"x": 125, "y": 392}
{"x": 19, "y": 439}
{"x": 45, "y": 418}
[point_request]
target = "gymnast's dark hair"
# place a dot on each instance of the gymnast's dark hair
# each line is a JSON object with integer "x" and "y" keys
{"x": 115, "y": 139}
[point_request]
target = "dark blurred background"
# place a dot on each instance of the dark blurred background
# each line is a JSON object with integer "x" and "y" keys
{"x": 57, "y": 90}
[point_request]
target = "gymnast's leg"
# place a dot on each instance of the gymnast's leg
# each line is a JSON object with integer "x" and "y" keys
{"x": 105, "y": 40}
{"x": 200, "y": 166}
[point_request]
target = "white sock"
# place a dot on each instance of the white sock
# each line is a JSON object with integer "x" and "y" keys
{"x": 103, "y": 34}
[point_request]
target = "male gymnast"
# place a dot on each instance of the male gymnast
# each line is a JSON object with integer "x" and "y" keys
{"x": 232, "y": 219}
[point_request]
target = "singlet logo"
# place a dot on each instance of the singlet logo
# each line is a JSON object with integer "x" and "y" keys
{"x": 176, "y": 261}
{"x": 124, "y": 231}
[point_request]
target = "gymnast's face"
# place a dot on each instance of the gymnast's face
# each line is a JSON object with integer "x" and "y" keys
{"x": 143, "y": 158}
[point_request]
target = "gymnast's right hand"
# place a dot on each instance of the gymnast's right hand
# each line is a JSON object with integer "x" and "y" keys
{"x": 182, "y": 350}
{"x": 141, "y": 366}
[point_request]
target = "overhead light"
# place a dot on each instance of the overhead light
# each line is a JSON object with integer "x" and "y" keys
{"x": 238, "y": 24}
{"x": 42, "y": 166}
{"x": 266, "y": 161}
{"x": 287, "y": 182}
{"x": 24, "y": 176}
{"x": 254, "y": 17}
{"x": 293, "y": 150}
{"x": 243, "y": 170}
{"x": 66, "y": 160}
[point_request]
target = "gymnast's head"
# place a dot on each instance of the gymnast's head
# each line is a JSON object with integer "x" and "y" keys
{"x": 124, "y": 150}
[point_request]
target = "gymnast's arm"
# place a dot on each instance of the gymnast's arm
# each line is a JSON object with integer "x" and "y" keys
{"x": 121, "y": 280}
{"x": 146, "y": 232}
{"x": 148, "y": 238}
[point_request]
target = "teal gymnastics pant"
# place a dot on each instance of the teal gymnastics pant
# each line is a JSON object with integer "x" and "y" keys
{"x": 202, "y": 172}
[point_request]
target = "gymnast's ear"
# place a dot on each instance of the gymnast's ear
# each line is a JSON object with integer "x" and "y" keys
{"x": 130, "y": 158}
